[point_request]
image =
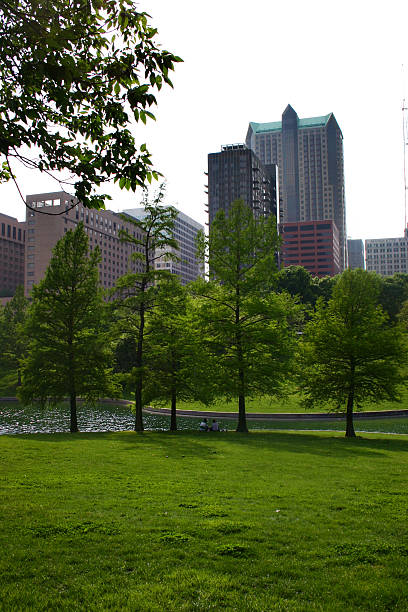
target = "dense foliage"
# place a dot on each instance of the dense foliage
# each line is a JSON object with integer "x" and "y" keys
{"x": 68, "y": 352}
{"x": 136, "y": 292}
{"x": 233, "y": 336}
{"x": 13, "y": 341}
{"x": 74, "y": 74}
{"x": 245, "y": 322}
{"x": 349, "y": 353}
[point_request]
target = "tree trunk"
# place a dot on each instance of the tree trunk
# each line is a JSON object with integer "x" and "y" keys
{"x": 73, "y": 421}
{"x": 242, "y": 425}
{"x": 138, "y": 407}
{"x": 173, "y": 418}
{"x": 139, "y": 363}
{"x": 350, "y": 433}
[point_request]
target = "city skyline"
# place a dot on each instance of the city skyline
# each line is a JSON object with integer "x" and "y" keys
{"x": 349, "y": 66}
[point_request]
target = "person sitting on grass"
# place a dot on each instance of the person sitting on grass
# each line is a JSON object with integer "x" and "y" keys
{"x": 204, "y": 425}
{"x": 215, "y": 426}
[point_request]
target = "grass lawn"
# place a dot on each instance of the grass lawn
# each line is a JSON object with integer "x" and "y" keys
{"x": 291, "y": 403}
{"x": 162, "y": 522}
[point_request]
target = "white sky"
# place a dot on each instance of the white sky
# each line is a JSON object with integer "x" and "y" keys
{"x": 245, "y": 62}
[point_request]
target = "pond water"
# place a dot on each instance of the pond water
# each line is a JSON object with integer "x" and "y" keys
{"x": 16, "y": 419}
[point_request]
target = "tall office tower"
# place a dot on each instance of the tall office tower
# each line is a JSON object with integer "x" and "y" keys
{"x": 237, "y": 173}
{"x": 102, "y": 227}
{"x": 355, "y": 250}
{"x": 309, "y": 155}
{"x": 387, "y": 256}
{"x": 12, "y": 238}
{"x": 188, "y": 268}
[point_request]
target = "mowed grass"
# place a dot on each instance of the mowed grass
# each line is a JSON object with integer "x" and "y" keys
{"x": 189, "y": 521}
{"x": 290, "y": 403}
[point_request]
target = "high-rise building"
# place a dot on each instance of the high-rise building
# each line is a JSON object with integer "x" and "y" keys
{"x": 313, "y": 245}
{"x": 387, "y": 256}
{"x": 355, "y": 250}
{"x": 236, "y": 173}
{"x": 12, "y": 240}
{"x": 187, "y": 267}
{"x": 309, "y": 156}
{"x": 64, "y": 213}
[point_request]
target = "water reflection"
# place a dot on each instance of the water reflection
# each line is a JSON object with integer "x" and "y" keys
{"x": 16, "y": 419}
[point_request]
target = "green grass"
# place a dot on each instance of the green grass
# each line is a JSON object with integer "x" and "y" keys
{"x": 393, "y": 425}
{"x": 291, "y": 403}
{"x": 262, "y": 404}
{"x": 154, "y": 522}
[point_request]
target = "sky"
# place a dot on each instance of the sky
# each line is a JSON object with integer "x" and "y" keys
{"x": 245, "y": 61}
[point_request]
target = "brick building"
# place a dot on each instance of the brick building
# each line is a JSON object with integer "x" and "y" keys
{"x": 65, "y": 212}
{"x": 313, "y": 245}
{"x": 12, "y": 239}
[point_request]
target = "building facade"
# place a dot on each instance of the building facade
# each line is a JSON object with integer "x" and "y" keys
{"x": 65, "y": 212}
{"x": 188, "y": 267}
{"x": 387, "y": 256}
{"x": 355, "y": 250}
{"x": 311, "y": 244}
{"x": 236, "y": 173}
{"x": 309, "y": 156}
{"x": 12, "y": 250}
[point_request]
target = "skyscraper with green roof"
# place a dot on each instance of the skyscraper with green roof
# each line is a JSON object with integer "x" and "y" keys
{"x": 309, "y": 156}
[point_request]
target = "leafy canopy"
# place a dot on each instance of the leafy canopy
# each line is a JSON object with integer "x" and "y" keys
{"x": 348, "y": 350}
{"x": 244, "y": 323}
{"x": 136, "y": 292}
{"x": 73, "y": 74}
{"x": 13, "y": 341}
{"x": 68, "y": 353}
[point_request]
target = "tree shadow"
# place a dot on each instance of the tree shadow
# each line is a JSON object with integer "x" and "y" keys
{"x": 206, "y": 445}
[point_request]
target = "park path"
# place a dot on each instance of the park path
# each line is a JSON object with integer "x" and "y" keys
{"x": 279, "y": 416}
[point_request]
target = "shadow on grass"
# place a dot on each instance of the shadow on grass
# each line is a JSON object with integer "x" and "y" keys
{"x": 205, "y": 444}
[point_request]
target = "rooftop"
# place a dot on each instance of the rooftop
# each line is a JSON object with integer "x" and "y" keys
{"x": 276, "y": 126}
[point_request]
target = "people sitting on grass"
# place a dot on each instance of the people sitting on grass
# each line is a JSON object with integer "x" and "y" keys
{"x": 215, "y": 426}
{"x": 204, "y": 425}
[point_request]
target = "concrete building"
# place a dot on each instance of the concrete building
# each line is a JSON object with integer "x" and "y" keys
{"x": 12, "y": 249}
{"x": 236, "y": 173}
{"x": 355, "y": 250}
{"x": 188, "y": 268}
{"x": 309, "y": 156}
{"x": 64, "y": 213}
{"x": 313, "y": 245}
{"x": 387, "y": 256}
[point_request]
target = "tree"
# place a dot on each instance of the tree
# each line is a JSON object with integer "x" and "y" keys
{"x": 135, "y": 292}
{"x": 73, "y": 74}
{"x": 13, "y": 341}
{"x": 298, "y": 282}
{"x": 245, "y": 322}
{"x": 177, "y": 365}
{"x": 68, "y": 353}
{"x": 393, "y": 293}
{"x": 349, "y": 354}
